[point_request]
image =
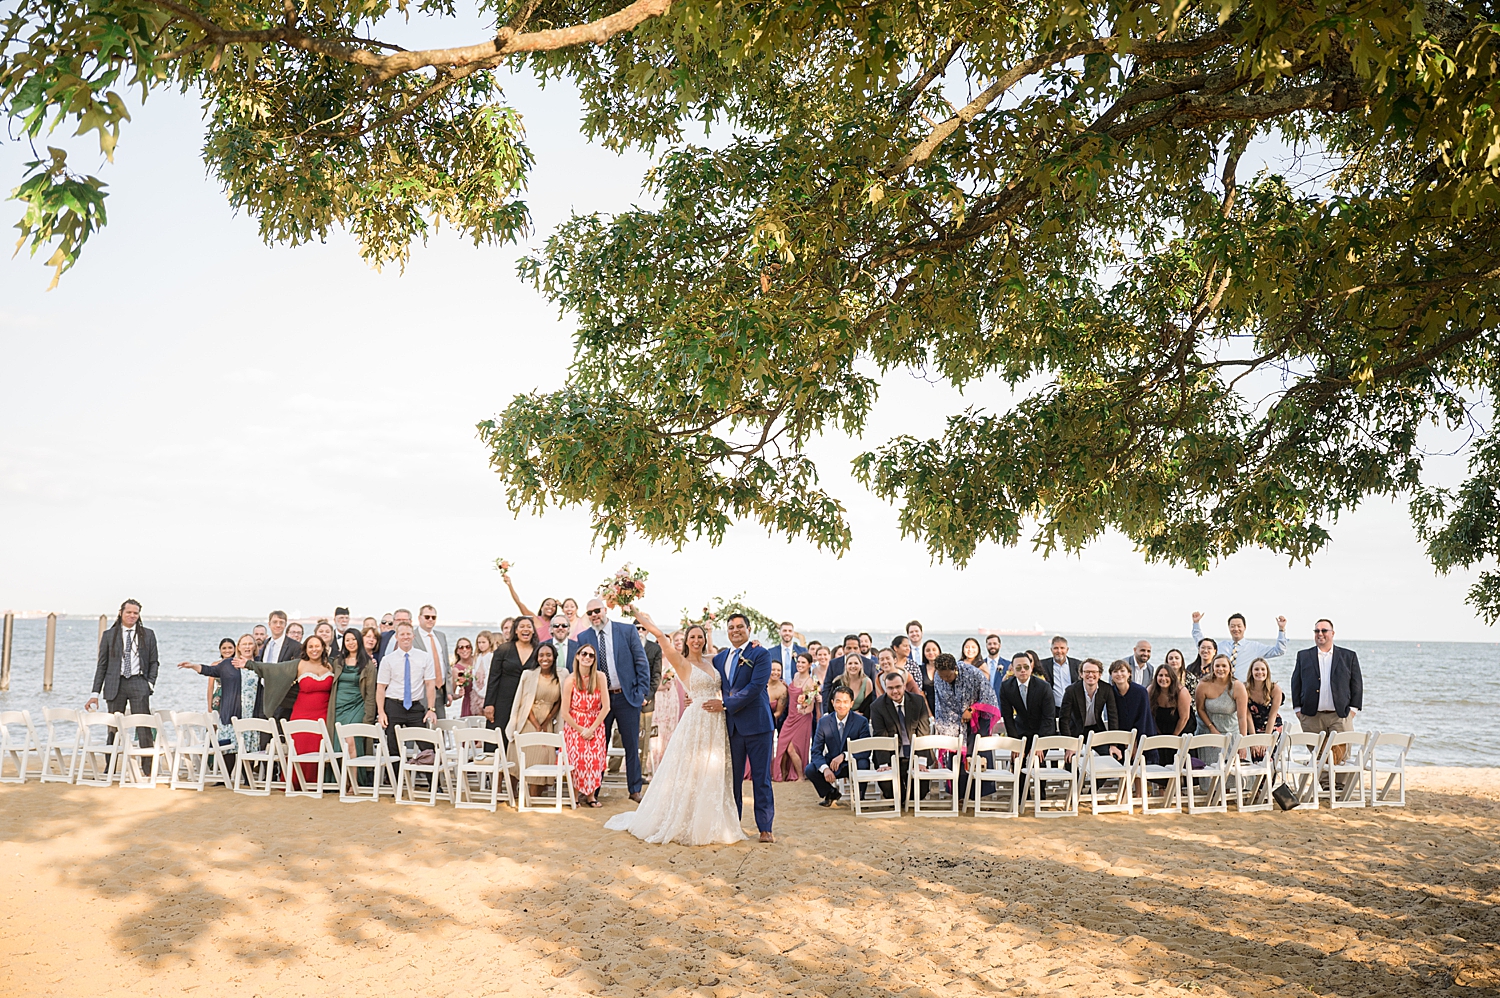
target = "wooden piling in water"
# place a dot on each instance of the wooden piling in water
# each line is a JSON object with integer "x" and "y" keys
{"x": 51, "y": 651}
{"x": 5, "y": 642}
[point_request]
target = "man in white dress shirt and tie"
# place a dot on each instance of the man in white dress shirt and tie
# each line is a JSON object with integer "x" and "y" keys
{"x": 405, "y": 688}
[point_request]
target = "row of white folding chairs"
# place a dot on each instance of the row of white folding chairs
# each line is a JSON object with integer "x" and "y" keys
{"x": 1130, "y": 769}
{"x": 467, "y": 764}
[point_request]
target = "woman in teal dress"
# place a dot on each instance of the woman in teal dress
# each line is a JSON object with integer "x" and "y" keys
{"x": 354, "y": 685}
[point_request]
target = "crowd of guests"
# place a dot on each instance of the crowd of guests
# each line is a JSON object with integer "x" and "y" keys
{"x": 580, "y": 674}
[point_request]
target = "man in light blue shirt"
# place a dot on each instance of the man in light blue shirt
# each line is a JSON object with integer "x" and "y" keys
{"x": 1241, "y": 652}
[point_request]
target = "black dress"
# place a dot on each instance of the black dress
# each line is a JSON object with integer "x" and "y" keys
{"x": 506, "y": 668}
{"x": 1166, "y": 724}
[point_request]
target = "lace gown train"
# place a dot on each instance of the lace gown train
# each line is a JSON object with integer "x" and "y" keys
{"x": 690, "y": 800}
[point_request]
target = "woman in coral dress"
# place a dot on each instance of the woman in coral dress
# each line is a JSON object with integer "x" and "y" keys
{"x": 586, "y": 694}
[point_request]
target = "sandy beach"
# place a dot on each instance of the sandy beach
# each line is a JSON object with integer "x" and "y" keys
{"x": 112, "y": 891}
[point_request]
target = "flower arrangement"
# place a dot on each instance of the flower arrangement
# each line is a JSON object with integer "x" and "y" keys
{"x": 807, "y": 698}
{"x": 502, "y": 566}
{"x": 623, "y": 588}
{"x": 719, "y": 609}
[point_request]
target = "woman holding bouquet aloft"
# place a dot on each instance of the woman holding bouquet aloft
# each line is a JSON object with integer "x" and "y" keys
{"x": 690, "y": 800}
{"x": 795, "y": 739}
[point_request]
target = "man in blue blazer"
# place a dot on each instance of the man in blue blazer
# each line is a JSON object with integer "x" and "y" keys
{"x": 827, "y": 759}
{"x": 623, "y": 658}
{"x": 787, "y": 651}
{"x": 744, "y": 670}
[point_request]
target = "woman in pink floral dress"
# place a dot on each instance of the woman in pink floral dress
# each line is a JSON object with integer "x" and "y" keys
{"x": 586, "y": 694}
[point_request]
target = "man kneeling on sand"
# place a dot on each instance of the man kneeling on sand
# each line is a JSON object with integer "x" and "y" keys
{"x": 828, "y": 760}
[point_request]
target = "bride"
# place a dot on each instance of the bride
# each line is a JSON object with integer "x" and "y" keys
{"x": 690, "y": 800}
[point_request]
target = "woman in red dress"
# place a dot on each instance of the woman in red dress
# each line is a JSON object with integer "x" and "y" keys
{"x": 586, "y": 695}
{"x": 314, "y": 687}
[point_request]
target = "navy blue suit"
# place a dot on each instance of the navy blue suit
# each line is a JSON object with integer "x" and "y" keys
{"x": 826, "y": 745}
{"x": 747, "y": 712}
{"x": 630, "y": 667}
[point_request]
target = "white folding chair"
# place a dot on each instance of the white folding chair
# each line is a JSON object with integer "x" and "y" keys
{"x": 480, "y": 779}
{"x": 1298, "y": 759}
{"x": 1167, "y": 774}
{"x": 882, "y": 806}
{"x": 197, "y": 759}
{"x": 560, "y": 771}
{"x": 1010, "y": 754}
{"x": 1207, "y": 784}
{"x": 257, "y": 769}
{"x": 1254, "y": 778}
{"x": 917, "y": 776}
{"x": 61, "y": 744}
{"x": 448, "y": 727}
{"x": 1351, "y": 769}
{"x": 99, "y": 746}
{"x": 378, "y": 761}
{"x": 615, "y": 753}
{"x": 1394, "y": 770}
{"x": 1043, "y": 768}
{"x": 439, "y": 774}
{"x": 134, "y": 755}
{"x": 20, "y": 753}
{"x": 325, "y": 756}
{"x": 166, "y": 734}
{"x": 1107, "y": 768}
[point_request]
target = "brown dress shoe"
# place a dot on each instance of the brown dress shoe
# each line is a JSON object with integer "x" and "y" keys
{"x": 636, "y": 796}
{"x": 767, "y": 837}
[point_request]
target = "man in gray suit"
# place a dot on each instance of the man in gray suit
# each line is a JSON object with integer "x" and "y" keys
{"x": 435, "y": 643}
{"x": 128, "y": 663}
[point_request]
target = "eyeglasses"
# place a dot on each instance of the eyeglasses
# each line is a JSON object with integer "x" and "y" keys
{"x": 1322, "y": 630}
{"x": 592, "y": 612}
{"x": 429, "y": 616}
{"x": 559, "y": 627}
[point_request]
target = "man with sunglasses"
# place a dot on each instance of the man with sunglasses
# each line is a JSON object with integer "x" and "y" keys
{"x": 434, "y": 643}
{"x": 563, "y": 646}
{"x": 623, "y": 659}
{"x": 1327, "y": 687}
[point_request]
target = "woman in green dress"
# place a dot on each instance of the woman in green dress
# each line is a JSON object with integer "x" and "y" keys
{"x": 354, "y": 686}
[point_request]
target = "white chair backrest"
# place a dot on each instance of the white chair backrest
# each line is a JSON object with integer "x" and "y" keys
{"x": 260, "y": 725}
{"x": 59, "y": 715}
{"x": 422, "y": 736}
{"x": 1354, "y": 741}
{"x": 872, "y": 744}
{"x": 484, "y": 739}
{"x": 1401, "y": 743}
{"x": 1303, "y": 746}
{"x": 1000, "y": 743}
{"x": 97, "y": 720}
{"x": 1152, "y": 743}
{"x": 987, "y": 743}
{"x": 360, "y": 731}
{"x": 129, "y": 722}
{"x": 538, "y": 739}
{"x": 17, "y": 717}
{"x": 1099, "y": 739}
{"x": 1220, "y": 742}
{"x": 1050, "y": 743}
{"x": 946, "y": 743}
{"x": 1257, "y": 741}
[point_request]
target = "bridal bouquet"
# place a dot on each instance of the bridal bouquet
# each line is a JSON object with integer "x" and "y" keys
{"x": 623, "y": 588}
{"x": 502, "y": 566}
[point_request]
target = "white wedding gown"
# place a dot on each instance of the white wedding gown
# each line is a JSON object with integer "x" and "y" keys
{"x": 690, "y": 800}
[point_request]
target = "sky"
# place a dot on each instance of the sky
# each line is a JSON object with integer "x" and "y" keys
{"x": 196, "y": 420}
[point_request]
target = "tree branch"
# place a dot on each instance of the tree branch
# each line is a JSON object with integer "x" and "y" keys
{"x": 507, "y": 41}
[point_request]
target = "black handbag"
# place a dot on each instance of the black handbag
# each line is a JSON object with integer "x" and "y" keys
{"x": 1286, "y": 798}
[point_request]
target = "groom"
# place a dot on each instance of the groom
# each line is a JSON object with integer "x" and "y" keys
{"x": 744, "y": 671}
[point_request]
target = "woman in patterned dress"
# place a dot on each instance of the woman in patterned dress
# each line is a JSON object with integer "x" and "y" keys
{"x": 586, "y": 692}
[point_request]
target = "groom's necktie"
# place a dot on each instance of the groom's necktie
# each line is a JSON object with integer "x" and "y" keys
{"x": 734, "y": 663}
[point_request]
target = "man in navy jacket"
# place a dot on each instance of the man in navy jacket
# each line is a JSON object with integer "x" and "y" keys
{"x": 828, "y": 759}
{"x": 1327, "y": 688}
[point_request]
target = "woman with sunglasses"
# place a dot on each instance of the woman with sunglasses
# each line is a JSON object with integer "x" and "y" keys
{"x": 586, "y": 692}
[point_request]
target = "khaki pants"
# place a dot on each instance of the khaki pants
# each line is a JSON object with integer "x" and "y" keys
{"x": 1327, "y": 720}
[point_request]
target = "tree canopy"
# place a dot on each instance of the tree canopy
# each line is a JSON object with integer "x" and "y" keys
{"x": 1047, "y": 196}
